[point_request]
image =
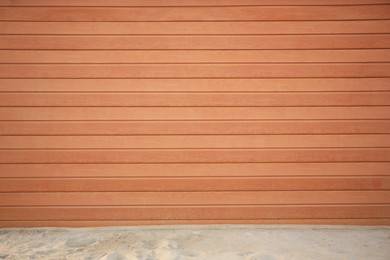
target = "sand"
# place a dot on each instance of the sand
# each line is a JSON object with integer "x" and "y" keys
{"x": 197, "y": 242}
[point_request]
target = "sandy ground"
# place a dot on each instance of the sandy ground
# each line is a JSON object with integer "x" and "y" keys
{"x": 197, "y": 242}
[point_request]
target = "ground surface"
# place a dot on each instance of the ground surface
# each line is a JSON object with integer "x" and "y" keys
{"x": 197, "y": 242}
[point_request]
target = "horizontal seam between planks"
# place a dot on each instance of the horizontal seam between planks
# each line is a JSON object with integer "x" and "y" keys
{"x": 213, "y": 177}
{"x": 201, "y": 106}
{"x": 189, "y": 92}
{"x": 205, "y": 191}
{"x": 190, "y": 34}
{"x": 183, "y": 178}
{"x": 66, "y": 63}
{"x": 194, "y": 205}
{"x": 173, "y": 220}
{"x": 202, "y": 148}
{"x": 204, "y": 49}
{"x": 219, "y": 191}
{"x": 192, "y": 162}
{"x": 196, "y": 120}
{"x": 216, "y": 134}
{"x": 211, "y": 135}
{"x": 382, "y": 77}
{"x": 175, "y": 35}
{"x": 200, "y": 21}
{"x": 188, "y": 6}
{"x": 341, "y": 106}
{"x": 200, "y": 206}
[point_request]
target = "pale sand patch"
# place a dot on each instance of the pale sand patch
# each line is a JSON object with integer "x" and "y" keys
{"x": 249, "y": 242}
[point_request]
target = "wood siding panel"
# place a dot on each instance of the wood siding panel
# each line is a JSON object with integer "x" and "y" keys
{"x": 131, "y": 112}
{"x": 194, "y": 212}
{"x": 166, "y": 28}
{"x": 193, "y": 198}
{"x": 195, "y": 85}
{"x": 149, "y": 3}
{"x": 199, "y": 42}
{"x": 222, "y": 13}
{"x": 98, "y": 223}
{"x": 193, "y": 141}
{"x": 37, "y": 170}
{"x": 279, "y": 127}
{"x": 193, "y": 184}
{"x": 203, "y": 56}
{"x": 193, "y": 113}
{"x": 353, "y": 70}
{"x": 194, "y": 155}
{"x": 194, "y": 99}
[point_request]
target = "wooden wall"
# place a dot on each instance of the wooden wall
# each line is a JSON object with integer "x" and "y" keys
{"x": 129, "y": 112}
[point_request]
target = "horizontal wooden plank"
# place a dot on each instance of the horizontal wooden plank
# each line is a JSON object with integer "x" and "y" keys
{"x": 105, "y": 223}
{"x": 192, "y": 113}
{"x": 196, "y": 70}
{"x": 194, "y": 42}
{"x": 194, "y": 85}
{"x": 193, "y": 198}
{"x": 149, "y": 3}
{"x": 194, "y": 170}
{"x": 194, "y": 184}
{"x": 195, "y": 99}
{"x": 262, "y": 27}
{"x": 194, "y": 141}
{"x": 110, "y": 128}
{"x": 221, "y": 13}
{"x": 185, "y": 42}
{"x": 210, "y": 56}
{"x": 195, "y": 155}
{"x": 194, "y": 212}
{"x": 194, "y": 56}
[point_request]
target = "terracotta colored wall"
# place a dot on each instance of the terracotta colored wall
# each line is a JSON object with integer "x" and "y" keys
{"x": 195, "y": 111}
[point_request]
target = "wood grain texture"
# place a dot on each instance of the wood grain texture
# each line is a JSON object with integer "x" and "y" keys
{"x": 212, "y": 28}
{"x": 331, "y": 70}
{"x": 193, "y": 113}
{"x": 99, "y": 223}
{"x": 110, "y": 128}
{"x": 225, "y": 169}
{"x": 195, "y": 155}
{"x": 196, "y": 85}
{"x": 131, "y": 112}
{"x": 195, "y": 99}
{"x": 194, "y": 212}
{"x": 184, "y": 3}
{"x": 193, "y": 141}
{"x": 194, "y": 42}
{"x": 193, "y": 198}
{"x": 194, "y": 184}
{"x": 229, "y": 13}
{"x": 195, "y": 56}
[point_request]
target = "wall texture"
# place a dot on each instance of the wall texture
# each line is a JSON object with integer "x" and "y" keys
{"x": 128, "y": 112}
